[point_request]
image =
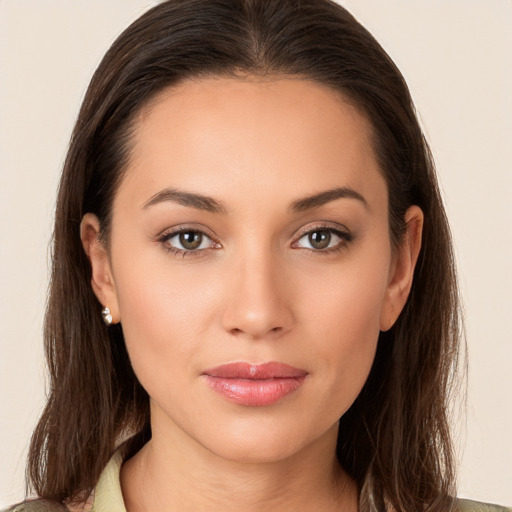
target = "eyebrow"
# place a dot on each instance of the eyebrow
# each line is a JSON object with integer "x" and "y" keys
{"x": 322, "y": 198}
{"x": 209, "y": 204}
{"x": 194, "y": 200}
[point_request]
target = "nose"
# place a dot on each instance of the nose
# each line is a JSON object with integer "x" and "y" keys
{"x": 259, "y": 301}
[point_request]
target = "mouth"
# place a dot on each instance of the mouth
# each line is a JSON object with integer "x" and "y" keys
{"x": 254, "y": 385}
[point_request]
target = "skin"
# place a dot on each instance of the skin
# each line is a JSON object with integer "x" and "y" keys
{"x": 256, "y": 290}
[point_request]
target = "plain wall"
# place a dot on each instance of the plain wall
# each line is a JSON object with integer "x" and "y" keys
{"x": 457, "y": 58}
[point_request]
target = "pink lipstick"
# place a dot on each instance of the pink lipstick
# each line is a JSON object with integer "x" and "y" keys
{"x": 255, "y": 385}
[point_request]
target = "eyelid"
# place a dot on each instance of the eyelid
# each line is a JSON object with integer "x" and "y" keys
{"x": 328, "y": 226}
{"x": 338, "y": 229}
{"x": 180, "y": 228}
{"x": 171, "y": 232}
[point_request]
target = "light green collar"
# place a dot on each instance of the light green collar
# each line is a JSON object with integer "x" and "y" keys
{"x": 107, "y": 494}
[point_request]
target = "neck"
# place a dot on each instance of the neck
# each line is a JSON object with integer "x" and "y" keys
{"x": 173, "y": 472}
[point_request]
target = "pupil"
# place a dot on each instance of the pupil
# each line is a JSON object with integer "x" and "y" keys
{"x": 320, "y": 239}
{"x": 191, "y": 240}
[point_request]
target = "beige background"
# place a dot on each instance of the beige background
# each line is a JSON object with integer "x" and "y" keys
{"x": 457, "y": 58}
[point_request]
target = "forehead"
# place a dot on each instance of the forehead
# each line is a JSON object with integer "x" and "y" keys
{"x": 231, "y": 136}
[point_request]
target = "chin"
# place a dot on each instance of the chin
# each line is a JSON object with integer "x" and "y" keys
{"x": 263, "y": 450}
{"x": 267, "y": 441}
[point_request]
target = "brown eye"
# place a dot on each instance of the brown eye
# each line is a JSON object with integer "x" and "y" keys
{"x": 187, "y": 241}
{"x": 190, "y": 240}
{"x": 319, "y": 239}
{"x": 323, "y": 240}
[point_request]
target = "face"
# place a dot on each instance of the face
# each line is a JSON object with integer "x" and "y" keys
{"x": 250, "y": 263}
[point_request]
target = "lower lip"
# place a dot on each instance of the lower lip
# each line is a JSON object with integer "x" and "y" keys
{"x": 255, "y": 393}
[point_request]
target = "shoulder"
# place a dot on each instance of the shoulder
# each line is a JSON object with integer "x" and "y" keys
{"x": 477, "y": 506}
{"x": 37, "y": 506}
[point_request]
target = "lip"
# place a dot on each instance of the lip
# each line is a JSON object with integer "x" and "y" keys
{"x": 254, "y": 385}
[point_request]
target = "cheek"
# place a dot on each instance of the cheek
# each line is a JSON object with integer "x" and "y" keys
{"x": 346, "y": 329}
{"x": 346, "y": 299}
{"x": 165, "y": 312}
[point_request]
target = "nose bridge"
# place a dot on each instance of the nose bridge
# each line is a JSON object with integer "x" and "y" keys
{"x": 258, "y": 304}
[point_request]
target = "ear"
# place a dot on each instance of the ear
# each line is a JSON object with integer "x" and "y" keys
{"x": 102, "y": 280}
{"x": 402, "y": 269}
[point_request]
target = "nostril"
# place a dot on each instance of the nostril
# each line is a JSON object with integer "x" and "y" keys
{"x": 238, "y": 332}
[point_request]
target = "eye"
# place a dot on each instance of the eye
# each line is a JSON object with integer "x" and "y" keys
{"x": 323, "y": 239}
{"x": 186, "y": 241}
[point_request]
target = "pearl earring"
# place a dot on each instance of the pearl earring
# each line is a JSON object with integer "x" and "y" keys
{"x": 107, "y": 316}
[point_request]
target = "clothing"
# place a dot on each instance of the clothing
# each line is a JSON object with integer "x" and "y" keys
{"x": 108, "y": 496}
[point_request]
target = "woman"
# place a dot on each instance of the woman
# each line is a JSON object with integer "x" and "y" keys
{"x": 250, "y": 196}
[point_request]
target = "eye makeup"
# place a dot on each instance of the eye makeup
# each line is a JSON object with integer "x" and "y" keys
{"x": 192, "y": 241}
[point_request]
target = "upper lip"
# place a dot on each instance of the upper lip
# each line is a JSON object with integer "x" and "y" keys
{"x": 258, "y": 371}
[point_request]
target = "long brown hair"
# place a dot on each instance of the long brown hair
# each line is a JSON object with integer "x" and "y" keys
{"x": 395, "y": 437}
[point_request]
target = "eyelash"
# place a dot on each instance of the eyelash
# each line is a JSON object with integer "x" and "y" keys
{"x": 345, "y": 236}
{"x": 165, "y": 237}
